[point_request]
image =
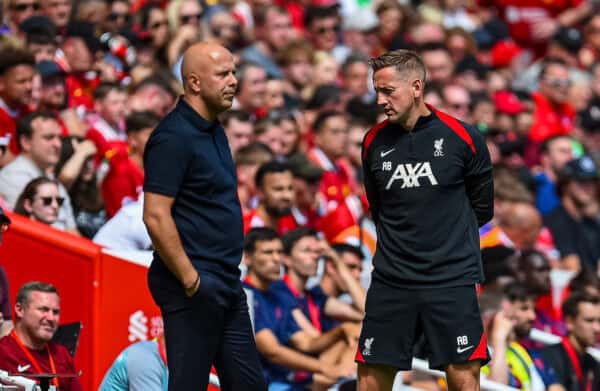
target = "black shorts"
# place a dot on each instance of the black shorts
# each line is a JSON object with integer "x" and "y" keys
{"x": 395, "y": 319}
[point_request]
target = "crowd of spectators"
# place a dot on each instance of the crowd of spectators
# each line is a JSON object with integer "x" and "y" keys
{"x": 84, "y": 82}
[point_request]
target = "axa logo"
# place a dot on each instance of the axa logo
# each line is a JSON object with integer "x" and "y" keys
{"x": 410, "y": 173}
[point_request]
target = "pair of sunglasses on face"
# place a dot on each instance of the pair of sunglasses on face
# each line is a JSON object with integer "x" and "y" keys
{"x": 47, "y": 201}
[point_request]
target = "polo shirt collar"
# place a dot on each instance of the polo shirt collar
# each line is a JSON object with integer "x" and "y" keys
{"x": 196, "y": 119}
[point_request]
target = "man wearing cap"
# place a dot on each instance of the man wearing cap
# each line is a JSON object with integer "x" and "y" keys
{"x": 574, "y": 224}
{"x": 40, "y": 37}
{"x": 53, "y": 94}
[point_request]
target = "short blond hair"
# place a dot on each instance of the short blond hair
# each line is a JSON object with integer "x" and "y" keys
{"x": 404, "y": 61}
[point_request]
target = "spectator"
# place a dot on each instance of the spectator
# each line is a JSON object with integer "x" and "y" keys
{"x": 556, "y": 151}
{"x": 356, "y": 133}
{"x": 118, "y": 17}
{"x": 302, "y": 250}
{"x": 321, "y": 26}
{"x": 274, "y": 97}
{"x": 295, "y": 60}
{"x": 512, "y": 363}
{"x": 252, "y": 89}
{"x": 84, "y": 191}
{"x": 54, "y": 92}
{"x": 438, "y": 63}
{"x": 343, "y": 268}
{"x": 553, "y": 114}
{"x": 247, "y": 161}
{"x": 575, "y": 368}
{"x": 29, "y": 349}
{"x": 331, "y": 135}
{"x": 290, "y": 132}
{"x": 17, "y": 11}
{"x": 238, "y": 128}
{"x": 107, "y": 123}
{"x": 153, "y": 20}
{"x": 16, "y": 78}
{"x": 574, "y": 224}
{"x": 307, "y": 210}
{"x": 40, "y": 201}
{"x": 6, "y": 323}
{"x": 140, "y": 367}
{"x": 39, "y": 139}
{"x": 153, "y": 93}
{"x": 40, "y": 37}
{"x": 355, "y": 76}
{"x": 277, "y": 333}
{"x": 125, "y": 177}
{"x": 273, "y": 33}
{"x": 59, "y": 11}
{"x": 268, "y": 132}
{"x": 274, "y": 182}
{"x": 517, "y": 228}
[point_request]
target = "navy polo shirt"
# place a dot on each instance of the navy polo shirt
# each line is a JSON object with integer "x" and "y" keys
{"x": 188, "y": 158}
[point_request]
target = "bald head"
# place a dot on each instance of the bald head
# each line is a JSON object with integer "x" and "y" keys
{"x": 209, "y": 82}
{"x": 201, "y": 57}
{"x": 522, "y": 224}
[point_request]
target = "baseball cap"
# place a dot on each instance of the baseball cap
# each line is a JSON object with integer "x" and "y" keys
{"x": 361, "y": 20}
{"x": 39, "y": 24}
{"x": 507, "y": 102}
{"x": 304, "y": 169}
{"x": 47, "y": 69}
{"x": 582, "y": 169}
{"x": 568, "y": 38}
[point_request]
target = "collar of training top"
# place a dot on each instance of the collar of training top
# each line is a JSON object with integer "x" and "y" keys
{"x": 196, "y": 119}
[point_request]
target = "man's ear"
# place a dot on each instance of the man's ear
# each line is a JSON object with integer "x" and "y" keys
{"x": 417, "y": 86}
{"x": 19, "y": 310}
{"x": 193, "y": 81}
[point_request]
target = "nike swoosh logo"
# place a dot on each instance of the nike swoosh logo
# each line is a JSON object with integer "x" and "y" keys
{"x": 23, "y": 368}
{"x": 384, "y": 154}
{"x": 462, "y": 350}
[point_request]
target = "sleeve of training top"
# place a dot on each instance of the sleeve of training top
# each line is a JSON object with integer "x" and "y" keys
{"x": 478, "y": 179}
{"x": 370, "y": 188}
{"x": 166, "y": 160}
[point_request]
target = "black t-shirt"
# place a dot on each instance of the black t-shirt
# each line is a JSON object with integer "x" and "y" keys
{"x": 556, "y": 356}
{"x": 188, "y": 158}
{"x": 428, "y": 191}
{"x": 573, "y": 237}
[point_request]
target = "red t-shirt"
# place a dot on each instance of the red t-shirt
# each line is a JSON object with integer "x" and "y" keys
{"x": 124, "y": 180}
{"x": 549, "y": 120}
{"x": 14, "y": 360}
{"x": 520, "y": 15}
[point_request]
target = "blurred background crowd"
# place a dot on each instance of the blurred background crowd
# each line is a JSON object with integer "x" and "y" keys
{"x": 84, "y": 82}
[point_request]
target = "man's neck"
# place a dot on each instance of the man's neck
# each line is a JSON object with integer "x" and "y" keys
{"x": 297, "y": 281}
{"x": 258, "y": 282}
{"x": 270, "y": 221}
{"x": 27, "y": 340}
{"x": 264, "y": 49}
{"x": 576, "y": 345}
{"x": 411, "y": 119}
{"x": 200, "y": 107}
{"x": 550, "y": 174}
{"x": 43, "y": 169}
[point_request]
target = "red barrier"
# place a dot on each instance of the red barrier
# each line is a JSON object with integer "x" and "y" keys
{"x": 107, "y": 294}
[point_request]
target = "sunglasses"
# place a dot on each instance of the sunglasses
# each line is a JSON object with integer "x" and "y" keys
{"x": 557, "y": 82}
{"x": 188, "y": 18}
{"x": 47, "y": 201}
{"x": 325, "y": 29}
{"x": 157, "y": 25}
{"x": 25, "y": 6}
{"x": 113, "y": 16}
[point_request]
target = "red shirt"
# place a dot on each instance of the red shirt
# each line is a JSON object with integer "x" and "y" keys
{"x": 125, "y": 179}
{"x": 520, "y": 15}
{"x": 335, "y": 184}
{"x": 253, "y": 220}
{"x": 550, "y": 120}
{"x": 13, "y": 358}
{"x": 8, "y": 125}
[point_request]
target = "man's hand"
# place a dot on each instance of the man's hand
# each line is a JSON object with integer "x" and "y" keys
{"x": 502, "y": 327}
{"x": 351, "y": 332}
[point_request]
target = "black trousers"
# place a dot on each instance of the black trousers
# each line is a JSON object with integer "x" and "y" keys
{"x": 211, "y": 328}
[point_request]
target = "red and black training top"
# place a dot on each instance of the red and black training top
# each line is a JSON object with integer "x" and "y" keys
{"x": 429, "y": 191}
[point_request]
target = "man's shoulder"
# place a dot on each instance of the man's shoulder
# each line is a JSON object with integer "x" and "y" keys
{"x": 60, "y": 351}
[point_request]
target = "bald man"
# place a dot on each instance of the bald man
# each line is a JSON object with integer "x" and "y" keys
{"x": 193, "y": 215}
{"x": 522, "y": 224}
